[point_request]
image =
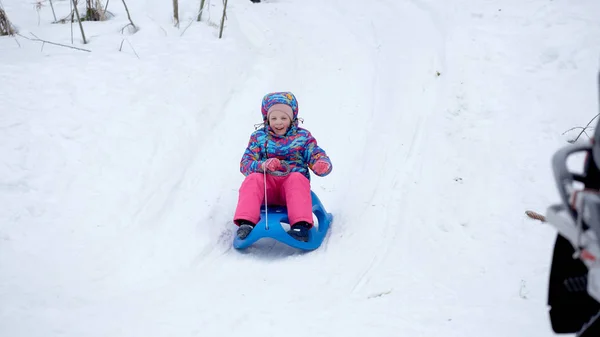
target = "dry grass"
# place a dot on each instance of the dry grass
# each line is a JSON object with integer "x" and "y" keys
{"x": 95, "y": 10}
{"x": 6, "y": 28}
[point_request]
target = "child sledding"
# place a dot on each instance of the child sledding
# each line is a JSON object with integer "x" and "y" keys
{"x": 276, "y": 164}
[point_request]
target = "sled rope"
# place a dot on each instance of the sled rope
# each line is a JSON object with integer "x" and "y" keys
{"x": 276, "y": 173}
{"x": 266, "y": 210}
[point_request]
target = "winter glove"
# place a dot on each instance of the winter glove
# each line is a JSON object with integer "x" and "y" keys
{"x": 271, "y": 165}
{"x": 321, "y": 167}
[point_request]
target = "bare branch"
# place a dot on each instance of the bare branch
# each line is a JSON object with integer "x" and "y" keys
{"x": 186, "y": 28}
{"x": 127, "y": 25}
{"x": 136, "y": 54}
{"x": 176, "y": 12}
{"x": 223, "y": 19}
{"x": 6, "y": 28}
{"x": 201, "y": 10}
{"x": 79, "y": 20}
{"x": 571, "y": 129}
{"x": 53, "y": 13}
{"x": 71, "y": 22}
{"x": 121, "y": 47}
{"x": 53, "y": 43}
{"x": 38, "y": 8}
{"x": 129, "y": 18}
{"x": 588, "y": 124}
{"x": 71, "y": 3}
{"x": 583, "y": 130}
{"x": 158, "y": 24}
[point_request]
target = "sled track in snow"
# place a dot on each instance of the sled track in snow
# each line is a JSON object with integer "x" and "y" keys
{"x": 396, "y": 223}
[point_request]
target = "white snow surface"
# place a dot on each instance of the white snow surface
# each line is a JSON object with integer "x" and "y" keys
{"x": 119, "y": 169}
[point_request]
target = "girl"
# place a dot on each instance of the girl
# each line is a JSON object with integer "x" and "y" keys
{"x": 284, "y": 151}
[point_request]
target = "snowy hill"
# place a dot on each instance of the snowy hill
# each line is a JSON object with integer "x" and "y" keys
{"x": 120, "y": 166}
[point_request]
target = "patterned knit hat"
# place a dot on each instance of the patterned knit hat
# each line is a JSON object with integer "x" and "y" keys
{"x": 274, "y": 98}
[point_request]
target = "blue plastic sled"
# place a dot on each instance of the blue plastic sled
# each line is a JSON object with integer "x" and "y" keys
{"x": 274, "y": 229}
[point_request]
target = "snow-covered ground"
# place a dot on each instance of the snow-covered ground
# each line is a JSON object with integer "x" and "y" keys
{"x": 120, "y": 166}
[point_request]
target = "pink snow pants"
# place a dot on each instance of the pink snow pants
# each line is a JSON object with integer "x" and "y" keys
{"x": 292, "y": 191}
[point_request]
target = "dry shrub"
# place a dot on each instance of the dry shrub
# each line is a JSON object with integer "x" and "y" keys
{"x": 6, "y": 28}
{"x": 94, "y": 11}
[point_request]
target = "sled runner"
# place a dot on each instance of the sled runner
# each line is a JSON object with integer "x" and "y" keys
{"x": 270, "y": 226}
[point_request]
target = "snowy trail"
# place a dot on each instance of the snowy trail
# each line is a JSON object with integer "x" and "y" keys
{"x": 369, "y": 103}
{"x": 437, "y": 116}
{"x": 389, "y": 119}
{"x": 380, "y": 104}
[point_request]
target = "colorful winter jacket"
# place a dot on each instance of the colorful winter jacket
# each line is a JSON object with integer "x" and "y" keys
{"x": 298, "y": 148}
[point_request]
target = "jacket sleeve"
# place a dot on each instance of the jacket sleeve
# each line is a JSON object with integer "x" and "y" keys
{"x": 250, "y": 162}
{"x": 313, "y": 153}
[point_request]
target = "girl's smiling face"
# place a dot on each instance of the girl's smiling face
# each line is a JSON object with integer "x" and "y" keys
{"x": 279, "y": 122}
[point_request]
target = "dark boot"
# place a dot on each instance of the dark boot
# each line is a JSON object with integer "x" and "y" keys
{"x": 299, "y": 231}
{"x": 245, "y": 228}
{"x": 255, "y": 1}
